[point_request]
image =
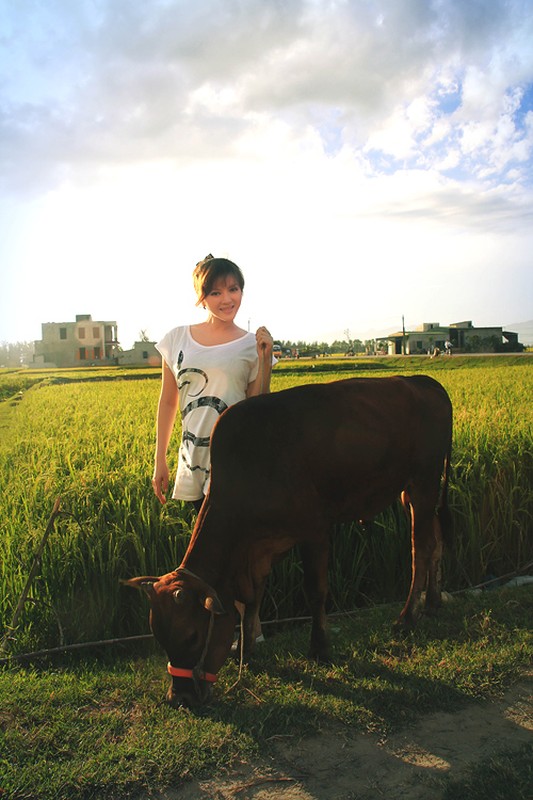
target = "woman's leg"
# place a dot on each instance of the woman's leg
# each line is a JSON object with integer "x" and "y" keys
{"x": 197, "y": 504}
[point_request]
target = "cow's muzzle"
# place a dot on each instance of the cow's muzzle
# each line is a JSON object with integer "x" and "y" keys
{"x": 184, "y": 693}
{"x": 189, "y": 688}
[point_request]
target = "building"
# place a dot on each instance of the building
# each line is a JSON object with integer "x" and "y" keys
{"x": 83, "y": 343}
{"x": 142, "y": 354}
{"x": 465, "y": 338}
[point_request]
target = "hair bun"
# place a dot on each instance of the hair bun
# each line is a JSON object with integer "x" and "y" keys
{"x": 207, "y": 258}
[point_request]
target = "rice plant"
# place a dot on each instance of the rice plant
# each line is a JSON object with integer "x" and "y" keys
{"x": 88, "y": 437}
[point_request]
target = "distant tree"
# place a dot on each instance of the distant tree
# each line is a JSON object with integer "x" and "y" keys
{"x": 348, "y": 339}
{"x": 474, "y": 344}
{"x": 493, "y": 344}
{"x": 15, "y": 354}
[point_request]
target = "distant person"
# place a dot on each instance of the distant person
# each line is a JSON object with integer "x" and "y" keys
{"x": 448, "y": 347}
{"x": 206, "y": 368}
{"x": 436, "y": 352}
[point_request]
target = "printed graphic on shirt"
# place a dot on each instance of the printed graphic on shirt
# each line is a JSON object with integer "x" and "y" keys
{"x": 191, "y": 371}
{"x": 189, "y": 440}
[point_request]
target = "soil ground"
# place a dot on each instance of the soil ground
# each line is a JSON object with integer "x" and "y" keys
{"x": 410, "y": 765}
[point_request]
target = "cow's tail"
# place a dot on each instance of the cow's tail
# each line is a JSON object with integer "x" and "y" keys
{"x": 443, "y": 509}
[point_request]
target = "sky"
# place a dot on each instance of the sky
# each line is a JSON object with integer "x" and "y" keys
{"x": 362, "y": 161}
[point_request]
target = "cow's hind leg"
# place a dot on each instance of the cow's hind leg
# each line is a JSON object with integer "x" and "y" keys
{"x": 315, "y": 563}
{"x": 426, "y": 553}
{"x": 433, "y": 590}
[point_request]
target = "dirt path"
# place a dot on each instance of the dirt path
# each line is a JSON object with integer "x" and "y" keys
{"x": 407, "y": 766}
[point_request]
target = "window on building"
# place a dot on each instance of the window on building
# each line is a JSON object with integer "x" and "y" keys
{"x": 97, "y": 353}
{"x": 419, "y": 344}
{"x": 62, "y": 333}
{"x": 81, "y": 333}
{"x": 145, "y": 354}
{"x": 96, "y": 333}
{"x": 83, "y": 355}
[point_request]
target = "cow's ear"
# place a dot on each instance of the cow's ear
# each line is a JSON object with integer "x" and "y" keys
{"x": 145, "y": 584}
{"x": 213, "y": 604}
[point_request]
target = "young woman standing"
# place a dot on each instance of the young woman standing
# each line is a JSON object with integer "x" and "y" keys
{"x": 206, "y": 368}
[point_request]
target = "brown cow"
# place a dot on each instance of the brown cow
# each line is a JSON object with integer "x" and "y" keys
{"x": 285, "y": 466}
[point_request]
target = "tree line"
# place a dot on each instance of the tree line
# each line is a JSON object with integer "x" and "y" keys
{"x": 344, "y": 346}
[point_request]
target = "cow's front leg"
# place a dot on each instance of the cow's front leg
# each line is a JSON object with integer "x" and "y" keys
{"x": 315, "y": 564}
{"x": 251, "y": 624}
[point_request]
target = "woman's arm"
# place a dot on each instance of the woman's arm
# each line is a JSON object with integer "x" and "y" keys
{"x": 166, "y": 415}
{"x": 261, "y": 383}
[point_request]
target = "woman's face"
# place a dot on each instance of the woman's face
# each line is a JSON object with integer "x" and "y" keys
{"x": 224, "y": 299}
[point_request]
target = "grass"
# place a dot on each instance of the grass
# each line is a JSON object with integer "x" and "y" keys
{"x": 96, "y": 727}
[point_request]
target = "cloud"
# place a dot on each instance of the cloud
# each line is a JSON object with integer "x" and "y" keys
{"x": 125, "y": 81}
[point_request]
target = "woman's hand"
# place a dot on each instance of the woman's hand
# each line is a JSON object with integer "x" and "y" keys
{"x": 265, "y": 342}
{"x": 261, "y": 384}
{"x": 160, "y": 482}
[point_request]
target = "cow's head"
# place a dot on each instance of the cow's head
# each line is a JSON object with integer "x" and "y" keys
{"x": 190, "y": 622}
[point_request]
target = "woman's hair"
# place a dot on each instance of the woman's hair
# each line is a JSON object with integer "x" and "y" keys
{"x": 207, "y": 272}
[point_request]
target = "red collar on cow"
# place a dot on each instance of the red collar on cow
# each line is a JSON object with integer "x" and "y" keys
{"x": 178, "y": 672}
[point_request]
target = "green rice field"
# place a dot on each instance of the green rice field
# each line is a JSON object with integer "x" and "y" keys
{"x": 87, "y": 437}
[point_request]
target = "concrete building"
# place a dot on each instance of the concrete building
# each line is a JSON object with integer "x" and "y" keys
{"x": 82, "y": 343}
{"x": 142, "y": 354}
{"x": 465, "y": 338}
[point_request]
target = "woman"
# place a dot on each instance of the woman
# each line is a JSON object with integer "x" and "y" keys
{"x": 206, "y": 368}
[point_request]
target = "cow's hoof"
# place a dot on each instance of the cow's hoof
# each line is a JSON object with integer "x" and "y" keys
{"x": 240, "y": 656}
{"x": 403, "y": 625}
{"x": 321, "y": 657}
{"x": 432, "y": 602}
